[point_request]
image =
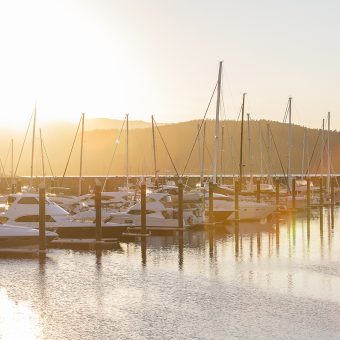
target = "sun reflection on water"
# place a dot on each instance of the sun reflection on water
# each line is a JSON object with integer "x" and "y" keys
{"x": 17, "y": 319}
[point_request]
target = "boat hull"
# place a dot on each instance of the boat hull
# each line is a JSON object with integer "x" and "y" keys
{"x": 89, "y": 231}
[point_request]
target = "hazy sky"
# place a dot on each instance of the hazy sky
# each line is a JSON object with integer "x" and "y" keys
{"x": 108, "y": 57}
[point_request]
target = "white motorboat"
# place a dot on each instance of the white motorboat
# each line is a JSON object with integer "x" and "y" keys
{"x": 23, "y": 210}
{"x": 248, "y": 210}
{"x": 16, "y": 237}
{"x": 159, "y": 213}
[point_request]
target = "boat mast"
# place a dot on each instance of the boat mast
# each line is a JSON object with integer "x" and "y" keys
{"x": 222, "y": 151}
{"x": 241, "y": 145}
{"x": 269, "y": 152}
{"x": 81, "y": 154}
{"x": 127, "y": 151}
{"x": 154, "y": 147}
{"x": 199, "y": 148}
{"x": 250, "y": 160}
{"x": 289, "y": 140}
{"x": 42, "y": 157}
{"x": 328, "y": 152}
{"x": 12, "y": 165}
{"x": 232, "y": 157}
{"x": 203, "y": 154}
{"x": 303, "y": 152}
{"x": 322, "y": 147}
{"x": 217, "y": 123}
{"x": 33, "y": 139}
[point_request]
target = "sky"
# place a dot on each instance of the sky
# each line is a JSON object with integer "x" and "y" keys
{"x": 110, "y": 57}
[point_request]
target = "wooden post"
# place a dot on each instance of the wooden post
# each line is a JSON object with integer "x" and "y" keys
{"x": 308, "y": 194}
{"x": 332, "y": 191}
{"x": 143, "y": 206}
{"x": 180, "y": 224}
{"x": 277, "y": 194}
{"x": 180, "y": 204}
{"x": 258, "y": 191}
{"x": 236, "y": 191}
{"x": 293, "y": 192}
{"x": 321, "y": 191}
{"x": 211, "y": 202}
{"x": 98, "y": 205}
{"x": 42, "y": 219}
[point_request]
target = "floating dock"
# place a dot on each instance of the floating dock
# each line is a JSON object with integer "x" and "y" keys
{"x": 84, "y": 244}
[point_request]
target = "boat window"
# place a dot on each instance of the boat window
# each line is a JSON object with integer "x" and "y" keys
{"x": 28, "y": 200}
{"x": 34, "y": 218}
{"x": 10, "y": 200}
{"x": 166, "y": 199}
{"x": 167, "y": 214}
{"x": 3, "y": 219}
{"x": 173, "y": 191}
{"x": 107, "y": 198}
{"x": 138, "y": 212}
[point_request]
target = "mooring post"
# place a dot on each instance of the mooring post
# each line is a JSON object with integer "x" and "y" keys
{"x": 332, "y": 201}
{"x": 98, "y": 206}
{"x": 236, "y": 192}
{"x": 277, "y": 194}
{"x": 308, "y": 195}
{"x": 258, "y": 191}
{"x": 143, "y": 206}
{"x": 293, "y": 192}
{"x": 211, "y": 202}
{"x": 180, "y": 204}
{"x": 180, "y": 224}
{"x": 321, "y": 191}
{"x": 42, "y": 219}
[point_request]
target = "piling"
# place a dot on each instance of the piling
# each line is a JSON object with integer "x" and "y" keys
{"x": 293, "y": 192}
{"x": 308, "y": 195}
{"x": 258, "y": 191}
{"x": 236, "y": 199}
{"x": 321, "y": 192}
{"x": 211, "y": 202}
{"x": 98, "y": 206}
{"x": 277, "y": 194}
{"x": 321, "y": 207}
{"x": 143, "y": 206}
{"x": 332, "y": 191}
{"x": 180, "y": 204}
{"x": 42, "y": 220}
{"x": 180, "y": 224}
{"x": 332, "y": 201}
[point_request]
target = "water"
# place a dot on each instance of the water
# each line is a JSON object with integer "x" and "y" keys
{"x": 261, "y": 282}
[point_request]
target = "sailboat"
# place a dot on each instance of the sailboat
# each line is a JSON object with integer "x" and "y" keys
{"x": 248, "y": 210}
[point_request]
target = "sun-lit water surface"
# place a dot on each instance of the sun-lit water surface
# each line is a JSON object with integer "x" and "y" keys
{"x": 262, "y": 280}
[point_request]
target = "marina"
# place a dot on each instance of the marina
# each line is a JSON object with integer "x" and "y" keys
{"x": 169, "y": 170}
{"x": 291, "y": 268}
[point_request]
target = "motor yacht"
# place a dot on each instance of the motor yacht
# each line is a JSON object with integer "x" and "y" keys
{"x": 16, "y": 237}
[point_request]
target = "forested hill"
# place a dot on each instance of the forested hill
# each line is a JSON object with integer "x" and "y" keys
{"x": 99, "y": 145}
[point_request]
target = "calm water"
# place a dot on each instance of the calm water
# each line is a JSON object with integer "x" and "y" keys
{"x": 262, "y": 282}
